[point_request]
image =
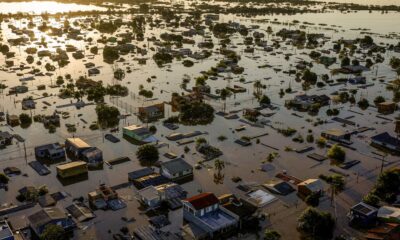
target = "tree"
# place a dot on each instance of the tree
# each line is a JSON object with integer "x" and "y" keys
{"x": 270, "y": 234}
{"x": 337, "y": 153}
{"x": 264, "y": 100}
{"x": 147, "y": 153}
{"x": 53, "y": 232}
{"x": 379, "y": 99}
{"x": 196, "y": 113}
{"x": 110, "y": 54}
{"x": 219, "y": 165}
{"x": 309, "y": 77}
{"x": 345, "y": 62}
{"x": 3, "y": 178}
{"x": 25, "y": 119}
{"x": 363, "y": 104}
{"x": 218, "y": 176}
{"x": 315, "y": 224}
{"x": 387, "y": 185}
{"x": 108, "y": 116}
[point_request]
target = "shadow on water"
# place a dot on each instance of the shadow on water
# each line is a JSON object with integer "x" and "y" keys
{"x": 73, "y": 180}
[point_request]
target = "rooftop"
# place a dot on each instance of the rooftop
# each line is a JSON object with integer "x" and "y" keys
{"x": 71, "y": 165}
{"x": 176, "y": 165}
{"x": 46, "y": 215}
{"x": 203, "y": 200}
{"x": 77, "y": 142}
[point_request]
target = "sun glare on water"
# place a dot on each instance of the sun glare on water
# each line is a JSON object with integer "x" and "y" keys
{"x": 35, "y": 7}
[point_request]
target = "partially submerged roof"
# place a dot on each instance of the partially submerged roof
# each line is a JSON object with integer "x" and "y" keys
{"x": 176, "y": 165}
{"x": 78, "y": 143}
{"x": 46, "y": 215}
{"x": 314, "y": 185}
{"x": 387, "y": 139}
{"x": 71, "y": 165}
{"x": 203, "y": 200}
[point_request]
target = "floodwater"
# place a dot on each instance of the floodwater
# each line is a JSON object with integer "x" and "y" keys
{"x": 240, "y": 161}
{"x": 39, "y": 7}
{"x": 367, "y": 2}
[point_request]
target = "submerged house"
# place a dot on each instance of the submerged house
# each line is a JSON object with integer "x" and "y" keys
{"x": 153, "y": 196}
{"x": 385, "y": 140}
{"x": 39, "y": 220}
{"x": 51, "y": 151}
{"x": 211, "y": 221}
{"x": 337, "y": 135}
{"x": 93, "y": 156}
{"x": 310, "y": 186}
{"x": 151, "y": 113}
{"x": 177, "y": 170}
{"x": 138, "y": 133}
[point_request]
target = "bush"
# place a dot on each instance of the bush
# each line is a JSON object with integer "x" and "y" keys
{"x": 147, "y": 153}
{"x": 271, "y": 235}
{"x": 363, "y": 104}
{"x": 3, "y": 178}
{"x": 371, "y": 199}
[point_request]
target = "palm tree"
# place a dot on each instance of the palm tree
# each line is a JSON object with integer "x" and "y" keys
{"x": 225, "y": 93}
{"x": 257, "y": 88}
{"x": 218, "y": 177}
{"x": 219, "y": 165}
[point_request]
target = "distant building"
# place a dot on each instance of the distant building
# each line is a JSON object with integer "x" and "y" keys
{"x": 305, "y": 102}
{"x": 39, "y": 220}
{"x": 211, "y": 221}
{"x": 177, "y": 170}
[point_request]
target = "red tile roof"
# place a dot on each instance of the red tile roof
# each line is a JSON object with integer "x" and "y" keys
{"x": 203, "y": 200}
